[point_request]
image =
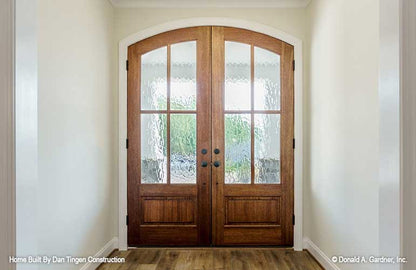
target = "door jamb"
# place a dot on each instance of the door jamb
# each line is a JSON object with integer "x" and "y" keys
{"x": 207, "y": 21}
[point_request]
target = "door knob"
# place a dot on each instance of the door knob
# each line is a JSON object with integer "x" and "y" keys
{"x": 217, "y": 164}
{"x": 204, "y": 164}
{"x": 204, "y": 151}
{"x": 217, "y": 151}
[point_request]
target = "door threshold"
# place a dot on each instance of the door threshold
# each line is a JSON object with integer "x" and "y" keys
{"x": 211, "y": 247}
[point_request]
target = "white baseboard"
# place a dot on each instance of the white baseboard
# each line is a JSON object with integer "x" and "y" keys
{"x": 319, "y": 255}
{"x": 104, "y": 252}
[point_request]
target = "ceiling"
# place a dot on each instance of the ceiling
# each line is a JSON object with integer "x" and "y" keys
{"x": 210, "y": 3}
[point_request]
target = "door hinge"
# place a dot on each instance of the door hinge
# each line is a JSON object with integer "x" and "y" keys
{"x": 293, "y": 219}
{"x": 294, "y": 143}
{"x": 293, "y": 64}
{"x": 127, "y": 143}
{"x": 127, "y": 64}
{"x": 127, "y": 220}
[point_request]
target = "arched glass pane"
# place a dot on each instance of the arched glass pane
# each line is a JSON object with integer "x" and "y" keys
{"x": 183, "y": 76}
{"x": 237, "y": 76}
{"x": 266, "y": 80}
{"x": 153, "y": 88}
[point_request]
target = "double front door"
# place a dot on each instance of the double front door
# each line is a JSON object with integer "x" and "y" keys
{"x": 210, "y": 132}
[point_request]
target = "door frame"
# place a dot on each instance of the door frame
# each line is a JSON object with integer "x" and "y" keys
{"x": 210, "y": 21}
{"x": 7, "y": 134}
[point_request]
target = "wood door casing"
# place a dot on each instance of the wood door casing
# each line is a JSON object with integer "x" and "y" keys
{"x": 170, "y": 214}
{"x": 253, "y": 214}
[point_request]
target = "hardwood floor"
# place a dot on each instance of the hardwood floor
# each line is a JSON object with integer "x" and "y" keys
{"x": 213, "y": 258}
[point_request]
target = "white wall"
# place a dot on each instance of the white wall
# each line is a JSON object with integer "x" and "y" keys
{"x": 76, "y": 128}
{"x": 341, "y": 138}
{"x": 26, "y": 131}
{"x": 409, "y": 131}
{"x": 132, "y": 20}
{"x": 389, "y": 139}
{"x": 7, "y": 142}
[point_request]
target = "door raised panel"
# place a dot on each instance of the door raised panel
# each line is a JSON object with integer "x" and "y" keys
{"x": 168, "y": 210}
{"x": 252, "y": 210}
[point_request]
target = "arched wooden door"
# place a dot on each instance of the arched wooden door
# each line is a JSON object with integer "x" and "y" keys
{"x": 169, "y": 123}
{"x": 210, "y": 131}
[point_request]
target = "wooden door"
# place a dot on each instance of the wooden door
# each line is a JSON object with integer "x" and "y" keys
{"x": 181, "y": 129}
{"x": 252, "y": 123}
{"x": 169, "y": 139}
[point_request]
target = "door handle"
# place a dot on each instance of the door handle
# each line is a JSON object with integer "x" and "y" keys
{"x": 217, "y": 164}
{"x": 204, "y": 164}
{"x": 216, "y": 151}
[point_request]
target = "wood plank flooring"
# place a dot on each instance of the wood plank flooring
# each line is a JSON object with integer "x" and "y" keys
{"x": 213, "y": 259}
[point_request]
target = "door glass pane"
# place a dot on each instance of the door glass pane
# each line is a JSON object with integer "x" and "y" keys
{"x": 154, "y": 80}
{"x": 237, "y": 149}
{"x": 183, "y": 148}
{"x": 183, "y": 76}
{"x": 153, "y": 149}
{"x": 237, "y": 76}
{"x": 266, "y": 80}
{"x": 267, "y": 148}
